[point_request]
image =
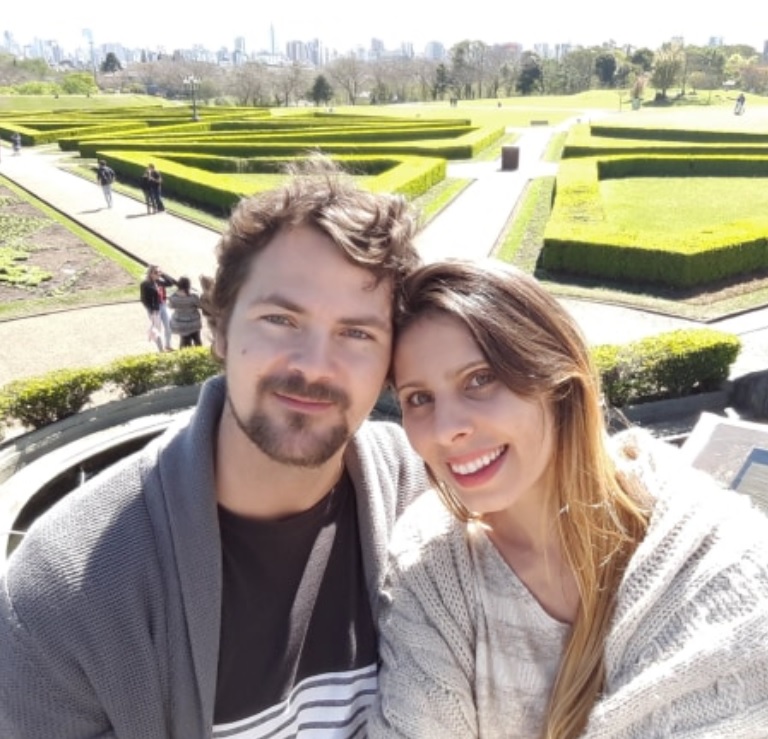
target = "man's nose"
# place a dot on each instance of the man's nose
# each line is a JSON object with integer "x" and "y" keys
{"x": 313, "y": 356}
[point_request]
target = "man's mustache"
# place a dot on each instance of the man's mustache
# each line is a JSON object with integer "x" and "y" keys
{"x": 296, "y": 384}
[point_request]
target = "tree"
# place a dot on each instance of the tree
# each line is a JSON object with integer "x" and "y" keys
{"x": 578, "y": 70}
{"x": 530, "y": 73}
{"x": 78, "y": 83}
{"x": 249, "y": 84}
{"x": 350, "y": 73}
{"x": 605, "y": 68}
{"x": 111, "y": 64}
{"x": 288, "y": 82}
{"x": 321, "y": 91}
{"x": 642, "y": 58}
{"x": 668, "y": 68}
{"x": 443, "y": 82}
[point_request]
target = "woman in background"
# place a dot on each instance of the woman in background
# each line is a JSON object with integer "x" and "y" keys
{"x": 186, "y": 319}
{"x": 153, "y": 298}
{"x": 556, "y": 583}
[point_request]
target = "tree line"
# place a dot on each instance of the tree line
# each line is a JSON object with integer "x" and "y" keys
{"x": 472, "y": 69}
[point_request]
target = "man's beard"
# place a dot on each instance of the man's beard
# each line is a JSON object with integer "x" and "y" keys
{"x": 291, "y": 441}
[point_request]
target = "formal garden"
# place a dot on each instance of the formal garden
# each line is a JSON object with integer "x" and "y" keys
{"x": 657, "y": 209}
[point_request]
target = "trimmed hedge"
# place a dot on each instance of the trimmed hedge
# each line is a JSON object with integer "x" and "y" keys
{"x": 669, "y": 365}
{"x": 579, "y": 241}
{"x": 39, "y": 401}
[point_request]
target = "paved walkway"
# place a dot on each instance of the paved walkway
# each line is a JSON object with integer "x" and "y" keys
{"x": 468, "y": 228}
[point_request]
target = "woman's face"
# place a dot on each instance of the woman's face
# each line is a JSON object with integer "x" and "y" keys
{"x": 492, "y": 446}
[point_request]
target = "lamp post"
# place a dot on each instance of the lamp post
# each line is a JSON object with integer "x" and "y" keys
{"x": 192, "y": 83}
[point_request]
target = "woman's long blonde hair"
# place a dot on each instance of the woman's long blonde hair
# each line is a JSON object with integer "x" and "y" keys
{"x": 537, "y": 350}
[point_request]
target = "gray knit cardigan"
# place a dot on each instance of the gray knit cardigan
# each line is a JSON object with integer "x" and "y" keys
{"x": 109, "y": 610}
{"x": 686, "y": 655}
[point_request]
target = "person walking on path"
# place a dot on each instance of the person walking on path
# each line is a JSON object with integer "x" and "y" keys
{"x": 105, "y": 176}
{"x": 153, "y": 298}
{"x": 16, "y": 143}
{"x": 225, "y": 580}
{"x": 186, "y": 319}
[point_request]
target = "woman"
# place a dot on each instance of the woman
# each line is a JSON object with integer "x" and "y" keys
{"x": 186, "y": 320}
{"x": 153, "y": 298}
{"x": 557, "y": 583}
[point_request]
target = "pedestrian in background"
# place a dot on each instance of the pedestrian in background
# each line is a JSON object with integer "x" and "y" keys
{"x": 153, "y": 298}
{"x": 105, "y": 176}
{"x": 186, "y": 319}
{"x": 154, "y": 185}
{"x": 16, "y": 142}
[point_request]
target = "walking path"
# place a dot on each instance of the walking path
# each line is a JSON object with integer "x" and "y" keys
{"x": 468, "y": 228}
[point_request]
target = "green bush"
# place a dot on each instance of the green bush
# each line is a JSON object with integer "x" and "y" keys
{"x": 670, "y": 365}
{"x": 42, "y": 400}
{"x": 145, "y": 372}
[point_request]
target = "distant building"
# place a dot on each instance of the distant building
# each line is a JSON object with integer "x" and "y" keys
{"x": 377, "y": 48}
{"x": 435, "y": 51}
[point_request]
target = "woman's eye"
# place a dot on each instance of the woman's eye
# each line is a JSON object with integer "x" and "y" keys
{"x": 417, "y": 399}
{"x": 481, "y": 379}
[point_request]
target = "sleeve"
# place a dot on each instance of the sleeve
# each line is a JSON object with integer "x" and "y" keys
{"x": 427, "y": 645}
{"x": 42, "y": 694}
{"x": 144, "y": 296}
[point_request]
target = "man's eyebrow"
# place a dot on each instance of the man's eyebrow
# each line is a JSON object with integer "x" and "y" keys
{"x": 371, "y": 320}
{"x": 280, "y": 301}
{"x": 375, "y": 322}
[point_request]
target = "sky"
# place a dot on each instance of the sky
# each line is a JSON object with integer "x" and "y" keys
{"x": 344, "y": 24}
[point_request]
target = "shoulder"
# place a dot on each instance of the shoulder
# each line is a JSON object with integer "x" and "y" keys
{"x": 380, "y": 451}
{"x": 701, "y": 569}
{"x": 89, "y": 550}
{"x": 427, "y": 528}
{"x": 431, "y": 564}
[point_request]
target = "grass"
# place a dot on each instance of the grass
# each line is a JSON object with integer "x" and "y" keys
{"x": 651, "y": 205}
{"x": 47, "y": 103}
{"x": 440, "y": 197}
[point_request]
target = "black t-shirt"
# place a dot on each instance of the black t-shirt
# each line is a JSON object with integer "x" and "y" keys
{"x": 336, "y": 677}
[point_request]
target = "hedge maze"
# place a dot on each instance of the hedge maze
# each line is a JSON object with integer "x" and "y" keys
{"x": 582, "y": 238}
{"x": 232, "y": 152}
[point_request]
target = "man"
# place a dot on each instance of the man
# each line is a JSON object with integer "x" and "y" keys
{"x": 155, "y": 185}
{"x": 223, "y": 582}
{"x": 105, "y": 176}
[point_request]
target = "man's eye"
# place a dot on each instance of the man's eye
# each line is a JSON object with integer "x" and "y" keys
{"x": 278, "y": 320}
{"x": 357, "y": 333}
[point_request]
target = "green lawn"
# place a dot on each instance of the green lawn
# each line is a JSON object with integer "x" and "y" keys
{"x": 655, "y": 205}
{"x": 46, "y": 103}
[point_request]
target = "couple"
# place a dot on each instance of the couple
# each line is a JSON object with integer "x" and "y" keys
{"x": 228, "y": 580}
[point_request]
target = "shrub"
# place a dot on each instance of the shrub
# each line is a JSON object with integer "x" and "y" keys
{"x": 42, "y": 400}
{"x": 141, "y": 374}
{"x": 670, "y": 365}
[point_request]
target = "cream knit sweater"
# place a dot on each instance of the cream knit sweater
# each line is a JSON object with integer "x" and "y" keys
{"x": 467, "y": 651}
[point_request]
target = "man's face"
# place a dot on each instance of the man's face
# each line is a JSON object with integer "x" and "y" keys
{"x": 307, "y": 348}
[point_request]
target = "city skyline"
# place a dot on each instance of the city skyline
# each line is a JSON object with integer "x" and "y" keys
{"x": 339, "y": 25}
